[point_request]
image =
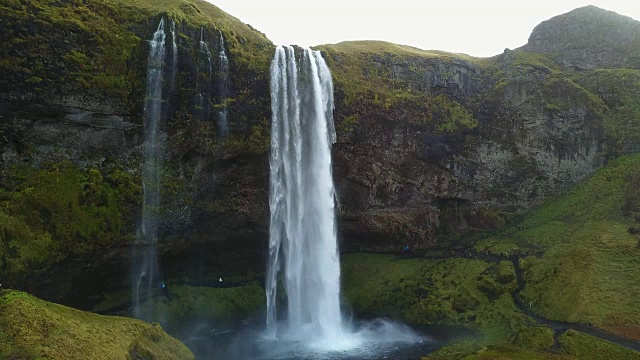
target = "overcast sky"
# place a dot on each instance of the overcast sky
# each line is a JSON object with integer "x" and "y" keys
{"x": 474, "y": 27}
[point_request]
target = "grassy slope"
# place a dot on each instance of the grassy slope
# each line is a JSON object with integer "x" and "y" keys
{"x": 583, "y": 263}
{"x": 32, "y": 328}
{"x": 465, "y": 292}
{"x": 183, "y": 303}
{"x": 580, "y": 264}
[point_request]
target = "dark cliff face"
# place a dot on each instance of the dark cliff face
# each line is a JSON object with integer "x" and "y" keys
{"x": 434, "y": 145}
{"x": 71, "y": 112}
{"x": 431, "y": 145}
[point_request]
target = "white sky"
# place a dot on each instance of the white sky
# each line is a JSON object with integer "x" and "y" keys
{"x": 474, "y": 27}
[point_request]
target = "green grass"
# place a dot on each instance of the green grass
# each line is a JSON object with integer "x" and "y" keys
{"x": 469, "y": 293}
{"x": 383, "y": 47}
{"x": 579, "y": 260}
{"x": 583, "y": 262}
{"x": 214, "y": 305}
{"x": 586, "y": 347}
{"x": 34, "y": 329}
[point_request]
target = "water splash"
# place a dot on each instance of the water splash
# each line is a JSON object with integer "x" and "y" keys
{"x": 146, "y": 265}
{"x": 223, "y": 64}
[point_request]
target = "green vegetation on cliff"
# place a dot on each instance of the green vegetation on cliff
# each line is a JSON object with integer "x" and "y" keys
{"x": 60, "y": 211}
{"x": 620, "y": 91}
{"x": 34, "y": 329}
{"x": 100, "y": 45}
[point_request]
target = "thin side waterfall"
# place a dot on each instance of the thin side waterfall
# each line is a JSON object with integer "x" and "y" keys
{"x": 223, "y": 63}
{"x": 203, "y": 99}
{"x": 146, "y": 267}
{"x": 303, "y": 241}
{"x": 174, "y": 53}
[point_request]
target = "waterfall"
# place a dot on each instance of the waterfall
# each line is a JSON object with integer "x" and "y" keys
{"x": 303, "y": 228}
{"x": 223, "y": 61}
{"x": 146, "y": 265}
{"x": 174, "y": 53}
{"x": 203, "y": 99}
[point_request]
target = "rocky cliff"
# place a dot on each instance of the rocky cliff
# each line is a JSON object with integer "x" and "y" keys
{"x": 431, "y": 145}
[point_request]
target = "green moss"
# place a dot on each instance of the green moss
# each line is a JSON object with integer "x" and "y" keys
{"x": 100, "y": 45}
{"x": 22, "y": 248}
{"x": 584, "y": 259}
{"x": 450, "y": 116}
{"x": 362, "y": 82}
{"x": 61, "y": 211}
{"x": 348, "y": 124}
{"x": 536, "y": 337}
{"x": 34, "y": 329}
{"x": 216, "y": 305}
{"x": 464, "y": 292}
{"x": 510, "y": 353}
{"x": 561, "y": 93}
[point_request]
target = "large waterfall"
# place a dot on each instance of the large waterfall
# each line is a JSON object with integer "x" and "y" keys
{"x": 303, "y": 229}
{"x": 223, "y": 68}
{"x": 145, "y": 267}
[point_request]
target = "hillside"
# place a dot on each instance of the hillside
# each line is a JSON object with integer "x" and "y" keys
{"x": 34, "y": 329}
{"x": 573, "y": 260}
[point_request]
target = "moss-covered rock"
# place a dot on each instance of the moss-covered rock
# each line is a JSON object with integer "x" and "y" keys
{"x": 465, "y": 292}
{"x": 60, "y": 211}
{"x": 32, "y": 328}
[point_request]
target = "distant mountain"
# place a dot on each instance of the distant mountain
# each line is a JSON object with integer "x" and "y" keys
{"x": 588, "y": 38}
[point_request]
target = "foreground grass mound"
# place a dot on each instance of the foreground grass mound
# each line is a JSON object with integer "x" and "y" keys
{"x": 31, "y": 328}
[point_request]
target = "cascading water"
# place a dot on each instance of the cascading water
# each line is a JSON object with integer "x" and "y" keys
{"x": 146, "y": 265}
{"x": 223, "y": 63}
{"x": 303, "y": 229}
{"x": 203, "y": 99}
{"x": 174, "y": 53}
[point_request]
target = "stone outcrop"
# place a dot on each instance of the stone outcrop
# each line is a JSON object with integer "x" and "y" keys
{"x": 589, "y": 38}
